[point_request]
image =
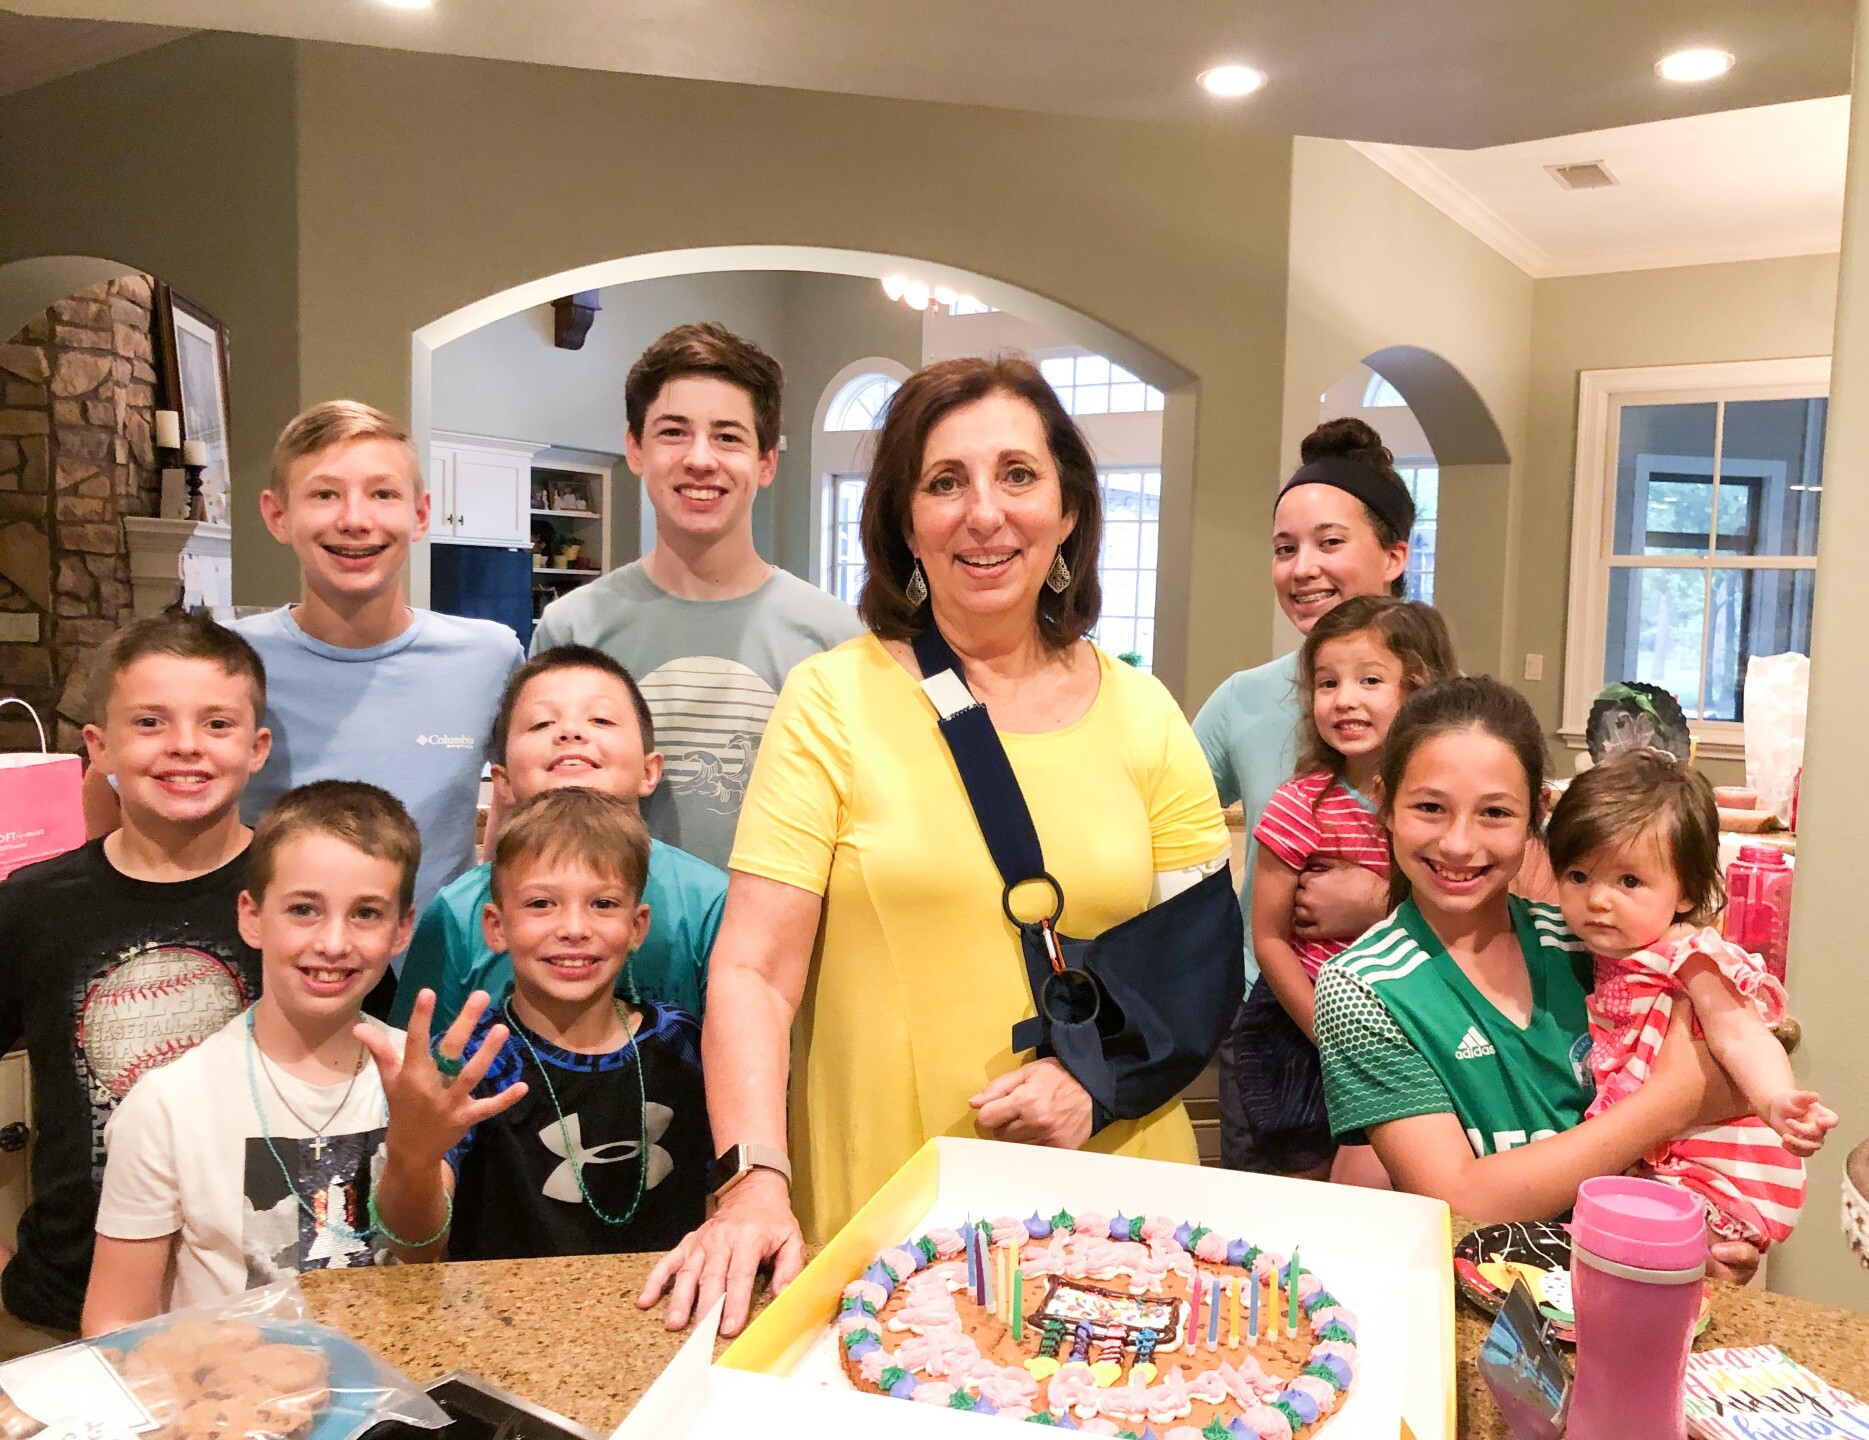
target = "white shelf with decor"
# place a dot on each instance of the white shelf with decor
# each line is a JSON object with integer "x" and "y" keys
{"x": 569, "y": 507}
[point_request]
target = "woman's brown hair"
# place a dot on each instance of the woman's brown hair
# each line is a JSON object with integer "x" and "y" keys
{"x": 1412, "y": 632}
{"x": 1642, "y": 792}
{"x": 926, "y": 398}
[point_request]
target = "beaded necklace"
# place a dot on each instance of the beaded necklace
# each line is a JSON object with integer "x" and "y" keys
{"x": 564, "y": 1129}
{"x": 336, "y": 1227}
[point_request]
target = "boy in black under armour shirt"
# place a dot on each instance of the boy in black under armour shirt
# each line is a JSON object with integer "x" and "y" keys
{"x": 561, "y": 1120}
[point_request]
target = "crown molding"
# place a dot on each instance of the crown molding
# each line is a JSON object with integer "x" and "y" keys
{"x": 1433, "y": 184}
{"x": 1419, "y": 173}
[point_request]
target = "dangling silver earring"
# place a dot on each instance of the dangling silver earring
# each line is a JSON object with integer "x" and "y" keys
{"x": 917, "y": 588}
{"x": 1060, "y": 575}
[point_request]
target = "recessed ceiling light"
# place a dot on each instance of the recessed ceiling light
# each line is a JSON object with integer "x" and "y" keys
{"x": 409, "y": 4}
{"x": 1230, "y": 82}
{"x": 1690, "y": 66}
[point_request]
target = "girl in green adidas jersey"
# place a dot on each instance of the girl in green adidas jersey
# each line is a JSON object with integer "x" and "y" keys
{"x": 1455, "y": 1031}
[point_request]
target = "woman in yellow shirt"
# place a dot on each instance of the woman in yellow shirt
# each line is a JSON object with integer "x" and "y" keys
{"x": 862, "y": 901}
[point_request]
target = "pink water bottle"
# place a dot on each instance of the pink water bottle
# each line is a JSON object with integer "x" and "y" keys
{"x": 1758, "y": 904}
{"x": 1638, "y": 1259}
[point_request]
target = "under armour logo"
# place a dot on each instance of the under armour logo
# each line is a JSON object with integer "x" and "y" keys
{"x": 562, "y": 1183}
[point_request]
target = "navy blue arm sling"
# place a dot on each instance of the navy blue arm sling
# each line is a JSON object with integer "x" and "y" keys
{"x": 1134, "y": 1014}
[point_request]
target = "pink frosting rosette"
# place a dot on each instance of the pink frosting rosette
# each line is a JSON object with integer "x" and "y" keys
{"x": 1097, "y": 1425}
{"x": 1246, "y": 1383}
{"x": 1344, "y": 1352}
{"x": 1212, "y": 1248}
{"x": 1159, "y": 1228}
{"x": 1070, "y": 1387}
{"x": 946, "y": 1242}
{"x": 872, "y": 1365}
{"x": 1093, "y": 1222}
{"x": 933, "y": 1392}
{"x": 1329, "y": 1313}
{"x": 1267, "y": 1264}
{"x": 1128, "y": 1401}
{"x": 854, "y": 1321}
{"x": 867, "y": 1290}
{"x": 1168, "y": 1398}
{"x": 1009, "y": 1231}
{"x": 1270, "y": 1424}
{"x": 1308, "y": 1285}
{"x": 1007, "y": 1386}
{"x": 938, "y": 1352}
{"x": 1321, "y": 1391}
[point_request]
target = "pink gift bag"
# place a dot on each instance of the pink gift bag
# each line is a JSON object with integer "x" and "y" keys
{"x": 41, "y": 813}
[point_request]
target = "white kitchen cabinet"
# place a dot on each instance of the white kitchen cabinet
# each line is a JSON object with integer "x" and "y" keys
{"x": 482, "y": 490}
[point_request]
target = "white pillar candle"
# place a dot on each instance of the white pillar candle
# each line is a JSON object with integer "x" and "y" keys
{"x": 168, "y": 430}
{"x": 195, "y": 452}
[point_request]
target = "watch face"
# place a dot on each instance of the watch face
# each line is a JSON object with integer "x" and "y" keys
{"x": 723, "y": 1168}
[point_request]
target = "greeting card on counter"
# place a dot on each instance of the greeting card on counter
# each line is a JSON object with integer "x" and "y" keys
{"x": 1757, "y": 1392}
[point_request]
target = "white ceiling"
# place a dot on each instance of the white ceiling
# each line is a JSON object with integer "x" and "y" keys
{"x": 1426, "y": 72}
{"x": 1738, "y": 185}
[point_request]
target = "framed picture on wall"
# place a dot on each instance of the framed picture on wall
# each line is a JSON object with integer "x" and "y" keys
{"x": 192, "y": 373}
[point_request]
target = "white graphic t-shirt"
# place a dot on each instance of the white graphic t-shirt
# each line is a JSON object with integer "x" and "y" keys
{"x": 253, "y": 1200}
{"x": 711, "y": 671}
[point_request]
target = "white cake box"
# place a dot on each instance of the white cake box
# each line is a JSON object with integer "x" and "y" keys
{"x": 1387, "y": 1257}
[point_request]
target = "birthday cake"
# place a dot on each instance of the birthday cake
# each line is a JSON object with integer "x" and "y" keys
{"x": 1125, "y": 1326}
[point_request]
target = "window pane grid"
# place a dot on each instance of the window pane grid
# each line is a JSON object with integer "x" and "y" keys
{"x": 1097, "y": 385}
{"x": 1132, "y": 504}
{"x": 1734, "y": 489}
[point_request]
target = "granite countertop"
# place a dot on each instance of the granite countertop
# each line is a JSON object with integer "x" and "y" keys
{"x": 566, "y": 1333}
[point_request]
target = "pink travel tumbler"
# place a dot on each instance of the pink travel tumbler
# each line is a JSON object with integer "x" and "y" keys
{"x": 1758, "y": 905}
{"x": 1638, "y": 1259}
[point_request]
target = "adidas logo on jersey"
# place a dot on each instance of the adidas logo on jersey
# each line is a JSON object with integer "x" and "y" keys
{"x": 1473, "y": 1045}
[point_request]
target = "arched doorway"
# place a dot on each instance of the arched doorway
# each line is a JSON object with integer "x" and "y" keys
{"x": 798, "y": 524}
{"x": 1449, "y": 449}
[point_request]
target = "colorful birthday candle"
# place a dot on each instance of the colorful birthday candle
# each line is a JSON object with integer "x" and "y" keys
{"x": 1213, "y": 1315}
{"x": 973, "y": 1270}
{"x": 1252, "y": 1321}
{"x": 1018, "y": 1303}
{"x": 1291, "y": 1294}
{"x": 987, "y": 1287}
{"x": 1233, "y": 1312}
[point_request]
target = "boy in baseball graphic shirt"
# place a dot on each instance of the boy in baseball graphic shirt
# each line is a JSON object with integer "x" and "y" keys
{"x": 252, "y": 1157}
{"x": 124, "y": 953}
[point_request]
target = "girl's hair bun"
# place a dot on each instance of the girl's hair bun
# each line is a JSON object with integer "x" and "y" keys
{"x": 1350, "y": 437}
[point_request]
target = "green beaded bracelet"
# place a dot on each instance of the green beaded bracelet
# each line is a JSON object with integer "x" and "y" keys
{"x": 376, "y": 1224}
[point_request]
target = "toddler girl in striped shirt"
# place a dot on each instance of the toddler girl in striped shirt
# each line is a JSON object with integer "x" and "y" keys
{"x": 1360, "y": 661}
{"x": 1634, "y": 843}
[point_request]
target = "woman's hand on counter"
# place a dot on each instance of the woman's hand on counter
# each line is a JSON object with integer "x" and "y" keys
{"x": 1037, "y": 1104}
{"x": 753, "y": 1225}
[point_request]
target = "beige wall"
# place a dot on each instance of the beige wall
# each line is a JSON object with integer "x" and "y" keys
{"x": 502, "y": 173}
{"x": 179, "y": 162}
{"x": 831, "y": 321}
{"x": 1375, "y": 265}
{"x": 1825, "y": 968}
{"x": 1759, "y": 309}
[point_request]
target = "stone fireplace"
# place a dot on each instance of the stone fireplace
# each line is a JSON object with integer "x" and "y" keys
{"x": 77, "y": 401}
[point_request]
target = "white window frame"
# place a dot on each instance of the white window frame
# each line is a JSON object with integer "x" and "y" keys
{"x": 1601, "y": 396}
{"x": 1153, "y": 571}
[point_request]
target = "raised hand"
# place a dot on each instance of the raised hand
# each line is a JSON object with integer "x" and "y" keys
{"x": 430, "y": 1112}
{"x": 1801, "y": 1120}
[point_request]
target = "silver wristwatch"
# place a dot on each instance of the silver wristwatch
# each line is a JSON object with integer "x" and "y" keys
{"x": 739, "y": 1161}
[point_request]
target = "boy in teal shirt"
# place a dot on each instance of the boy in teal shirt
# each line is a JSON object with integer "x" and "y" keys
{"x": 571, "y": 716}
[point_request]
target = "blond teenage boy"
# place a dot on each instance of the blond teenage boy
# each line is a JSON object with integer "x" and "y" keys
{"x": 124, "y": 953}
{"x": 560, "y": 1119}
{"x": 709, "y": 629}
{"x": 364, "y": 687}
{"x": 251, "y": 1158}
{"x": 571, "y": 716}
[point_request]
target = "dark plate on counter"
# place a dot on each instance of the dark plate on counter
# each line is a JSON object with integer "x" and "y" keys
{"x": 1487, "y": 1259}
{"x": 480, "y": 1410}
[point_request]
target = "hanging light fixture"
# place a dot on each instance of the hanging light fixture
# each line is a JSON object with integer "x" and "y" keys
{"x": 894, "y": 286}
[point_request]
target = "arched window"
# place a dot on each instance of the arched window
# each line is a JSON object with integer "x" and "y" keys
{"x": 859, "y": 405}
{"x": 1379, "y": 394}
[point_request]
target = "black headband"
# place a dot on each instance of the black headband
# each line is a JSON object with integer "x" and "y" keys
{"x": 1381, "y": 494}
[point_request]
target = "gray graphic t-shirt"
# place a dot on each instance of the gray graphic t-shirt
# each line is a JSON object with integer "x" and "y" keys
{"x": 711, "y": 671}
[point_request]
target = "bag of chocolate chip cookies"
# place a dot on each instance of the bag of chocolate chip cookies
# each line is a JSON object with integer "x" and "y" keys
{"x": 255, "y": 1367}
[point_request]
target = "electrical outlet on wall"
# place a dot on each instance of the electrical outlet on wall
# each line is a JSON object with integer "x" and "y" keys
{"x": 1534, "y": 667}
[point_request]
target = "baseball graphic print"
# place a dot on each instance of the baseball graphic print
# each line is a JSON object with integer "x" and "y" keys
{"x": 157, "y": 1003}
